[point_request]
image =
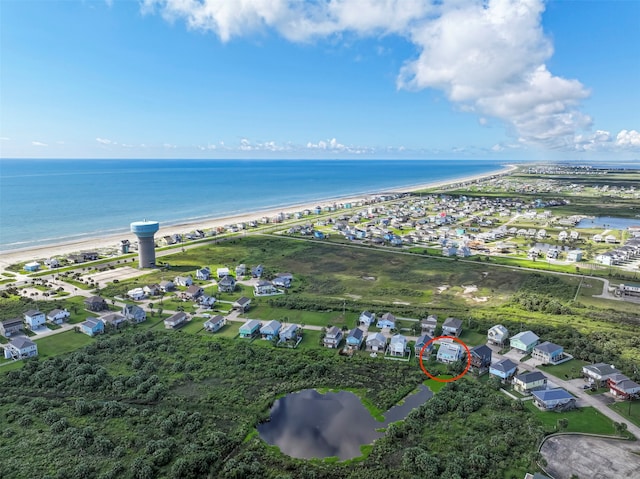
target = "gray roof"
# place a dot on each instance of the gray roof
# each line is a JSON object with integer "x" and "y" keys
{"x": 32, "y": 312}
{"x": 242, "y": 301}
{"x": 601, "y": 369}
{"x": 422, "y": 340}
{"x": 504, "y": 365}
{"x": 251, "y": 324}
{"x": 548, "y": 347}
{"x": 482, "y": 351}
{"x": 527, "y": 337}
{"x": 531, "y": 377}
{"x": 388, "y": 317}
{"x": 11, "y": 322}
{"x": 271, "y": 327}
{"x": 91, "y": 322}
{"x": 21, "y": 343}
{"x": 333, "y": 331}
{"x": 452, "y": 323}
{"x": 552, "y": 394}
{"x": 430, "y": 320}
{"x": 356, "y": 333}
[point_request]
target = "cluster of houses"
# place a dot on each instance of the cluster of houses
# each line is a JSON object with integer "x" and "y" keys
{"x": 270, "y": 331}
{"x": 95, "y": 325}
{"x": 606, "y": 375}
{"x": 32, "y": 320}
{"x": 629, "y": 251}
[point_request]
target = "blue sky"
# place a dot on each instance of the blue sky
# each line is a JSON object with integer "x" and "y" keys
{"x": 505, "y": 79}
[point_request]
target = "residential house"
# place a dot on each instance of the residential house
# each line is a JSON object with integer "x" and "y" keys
{"x": 96, "y": 303}
{"x": 176, "y": 320}
{"x": 227, "y": 284}
{"x": 452, "y": 327}
{"x": 524, "y": 342}
{"x": 34, "y": 319}
{"x": 241, "y": 270}
{"x": 366, "y": 318}
{"x": 270, "y": 330}
{"x": 10, "y": 327}
{"x": 283, "y": 280}
{"x": 332, "y": 337}
{"x": 206, "y": 301}
{"x": 398, "y": 346}
{"x": 242, "y": 304}
{"x": 420, "y": 343}
{"x": 113, "y": 319}
{"x": 289, "y": 332}
{"x": 354, "y": 339}
{"x": 621, "y": 387}
{"x": 256, "y": 271}
{"x": 376, "y": 342}
{"x": 214, "y": 324}
{"x": 387, "y": 320}
{"x": 183, "y": 280}
{"x": 203, "y": 274}
{"x": 429, "y": 324}
{"x": 134, "y": 313}
{"x": 167, "y": 286}
{"x": 20, "y": 348}
{"x": 552, "y": 398}
{"x": 498, "y": 334}
{"x": 503, "y": 369}
{"x": 547, "y": 352}
{"x": 194, "y": 292}
{"x": 31, "y": 267}
{"x": 57, "y": 316}
{"x": 152, "y": 289}
{"x": 264, "y": 288}
{"x": 607, "y": 259}
{"x": 481, "y": 359}
{"x": 250, "y": 329}
{"x": 222, "y": 272}
{"x": 599, "y": 373}
{"x": 574, "y": 256}
{"x": 531, "y": 381}
{"x": 449, "y": 353}
{"x": 449, "y": 250}
{"x": 136, "y": 294}
{"x": 91, "y": 326}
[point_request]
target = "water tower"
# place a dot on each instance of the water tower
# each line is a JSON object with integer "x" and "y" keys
{"x": 145, "y": 230}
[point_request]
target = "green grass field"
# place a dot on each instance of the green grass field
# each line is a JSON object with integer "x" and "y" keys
{"x": 62, "y": 343}
{"x": 569, "y": 370}
{"x": 586, "y": 419}
{"x": 622, "y": 408}
{"x": 316, "y": 318}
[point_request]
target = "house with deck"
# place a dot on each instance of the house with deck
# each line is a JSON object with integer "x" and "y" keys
{"x": 250, "y": 329}
{"x": 429, "y": 324}
{"x": 176, "y": 320}
{"x": 184, "y": 281}
{"x": 20, "y": 348}
{"x": 241, "y": 270}
{"x": 452, "y": 327}
{"x": 134, "y": 313}
{"x": 256, "y": 271}
{"x": 222, "y": 272}
{"x": 420, "y": 343}
{"x": 58, "y": 316}
{"x": 96, "y": 303}
{"x": 503, "y": 369}
{"x": 242, "y": 304}
{"x": 376, "y": 342}
{"x": 599, "y": 373}
{"x": 332, "y": 337}
{"x": 354, "y": 339}
{"x": 498, "y": 334}
{"x": 152, "y": 289}
{"x": 524, "y": 342}
{"x": 136, "y": 294}
{"x": 10, "y": 327}
{"x": 91, "y": 327}
{"x": 227, "y": 284}
{"x": 557, "y": 398}
{"x": 547, "y": 353}
{"x": 398, "y": 346}
{"x": 167, "y": 286}
{"x": 480, "y": 359}
{"x": 449, "y": 353}
{"x": 289, "y": 332}
{"x": 621, "y": 387}
{"x": 366, "y": 319}
{"x": 193, "y": 292}
{"x": 530, "y": 381}
{"x": 283, "y": 280}
{"x": 34, "y": 319}
{"x": 270, "y": 330}
{"x": 214, "y": 324}
{"x": 387, "y": 320}
{"x": 203, "y": 274}
{"x": 264, "y": 288}
{"x": 115, "y": 320}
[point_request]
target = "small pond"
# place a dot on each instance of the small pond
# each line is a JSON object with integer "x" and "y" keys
{"x": 307, "y": 424}
{"x": 608, "y": 222}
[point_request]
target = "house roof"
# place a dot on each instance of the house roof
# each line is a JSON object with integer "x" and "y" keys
{"x": 91, "y": 322}
{"x": 32, "y": 312}
{"x": 367, "y": 314}
{"x": 179, "y": 316}
{"x": 449, "y": 348}
{"x": 289, "y": 329}
{"x": 548, "y": 347}
{"x": 356, "y": 333}
{"x": 627, "y": 385}
{"x": 452, "y": 323}
{"x": 112, "y": 317}
{"x": 552, "y": 394}
{"x": 431, "y": 319}
{"x": 499, "y": 328}
{"x": 194, "y": 288}
{"x": 376, "y": 337}
{"x": 531, "y": 377}
{"x": 251, "y": 325}
{"x": 388, "y": 317}
{"x": 54, "y": 312}
{"x": 601, "y": 369}
{"x": 21, "y": 343}
{"x": 271, "y": 327}
{"x": 526, "y": 337}
{"x": 504, "y": 365}
{"x": 227, "y": 280}
{"x": 422, "y": 340}
{"x": 243, "y": 300}
{"x": 398, "y": 339}
{"x": 482, "y": 351}
{"x": 333, "y": 331}
{"x": 94, "y": 299}
{"x": 11, "y": 322}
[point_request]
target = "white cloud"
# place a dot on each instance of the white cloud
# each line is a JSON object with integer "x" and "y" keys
{"x": 38, "y": 143}
{"x": 104, "y": 141}
{"x": 628, "y": 139}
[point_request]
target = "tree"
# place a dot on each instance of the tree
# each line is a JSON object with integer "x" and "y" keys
{"x": 563, "y": 423}
{"x": 620, "y": 427}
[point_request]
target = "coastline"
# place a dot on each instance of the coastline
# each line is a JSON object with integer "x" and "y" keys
{"x": 34, "y": 253}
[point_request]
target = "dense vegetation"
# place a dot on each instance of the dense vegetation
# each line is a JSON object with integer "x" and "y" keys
{"x": 147, "y": 404}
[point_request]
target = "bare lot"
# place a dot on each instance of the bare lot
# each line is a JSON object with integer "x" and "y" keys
{"x": 591, "y": 457}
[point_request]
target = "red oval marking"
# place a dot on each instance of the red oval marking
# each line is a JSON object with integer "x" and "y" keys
{"x": 450, "y": 380}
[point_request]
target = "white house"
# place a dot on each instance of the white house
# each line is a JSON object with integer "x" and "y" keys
{"x": 203, "y": 274}
{"x": 20, "y": 348}
{"x": 222, "y": 272}
{"x": 136, "y": 294}
{"x": 574, "y": 256}
{"x": 497, "y": 334}
{"x": 34, "y": 319}
{"x": 182, "y": 281}
{"x": 366, "y": 318}
{"x": 57, "y": 316}
{"x": 398, "y": 345}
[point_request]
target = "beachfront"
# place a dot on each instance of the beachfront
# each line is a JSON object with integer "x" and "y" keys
{"x": 11, "y": 257}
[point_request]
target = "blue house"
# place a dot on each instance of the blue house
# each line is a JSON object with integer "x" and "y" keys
{"x": 354, "y": 339}
{"x": 422, "y": 340}
{"x": 289, "y": 332}
{"x": 552, "y": 398}
{"x": 34, "y": 319}
{"x": 250, "y": 328}
{"x": 387, "y": 320}
{"x": 396, "y": 241}
{"x": 503, "y": 369}
{"x": 318, "y": 234}
{"x": 547, "y": 352}
{"x": 361, "y": 234}
{"x": 270, "y": 330}
{"x": 449, "y": 353}
{"x": 92, "y": 326}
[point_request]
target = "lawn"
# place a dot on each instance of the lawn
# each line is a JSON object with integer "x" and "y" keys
{"x": 472, "y": 338}
{"x": 316, "y": 318}
{"x": 622, "y": 408}
{"x": 570, "y": 370}
{"x": 61, "y": 343}
{"x": 586, "y": 420}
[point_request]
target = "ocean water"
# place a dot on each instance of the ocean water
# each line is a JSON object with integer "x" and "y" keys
{"x": 55, "y": 201}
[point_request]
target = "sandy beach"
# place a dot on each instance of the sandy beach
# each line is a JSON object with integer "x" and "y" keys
{"x": 92, "y": 244}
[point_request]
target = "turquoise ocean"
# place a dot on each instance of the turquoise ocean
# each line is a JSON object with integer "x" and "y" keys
{"x": 57, "y": 201}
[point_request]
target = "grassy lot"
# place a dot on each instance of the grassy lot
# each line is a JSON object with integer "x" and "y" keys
{"x": 472, "y": 338}
{"x": 569, "y": 370}
{"x": 62, "y": 343}
{"x": 622, "y": 408}
{"x": 585, "y": 419}
{"x": 316, "y": 318}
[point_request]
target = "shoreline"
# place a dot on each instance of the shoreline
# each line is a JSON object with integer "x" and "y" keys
{"x": 40, "y": 252}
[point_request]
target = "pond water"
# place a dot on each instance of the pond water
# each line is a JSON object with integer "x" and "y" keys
{"x": 307, "y": 424}
{"x": 608, "y": 222}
